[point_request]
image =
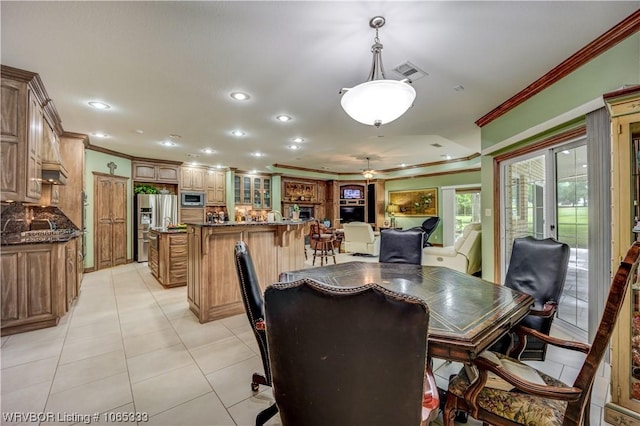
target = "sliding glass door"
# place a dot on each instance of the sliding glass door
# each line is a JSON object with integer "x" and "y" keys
{"x": 544, "y": 194}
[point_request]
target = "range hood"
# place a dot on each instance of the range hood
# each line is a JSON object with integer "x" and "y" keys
{"x": 53, "y": 171}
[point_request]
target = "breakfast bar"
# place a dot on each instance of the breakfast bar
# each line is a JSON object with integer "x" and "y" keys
{"x": 213, "y": 290}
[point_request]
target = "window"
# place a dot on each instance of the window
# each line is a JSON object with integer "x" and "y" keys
{"x": 467, "y": 208}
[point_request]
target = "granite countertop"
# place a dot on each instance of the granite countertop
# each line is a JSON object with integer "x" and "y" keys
{"x": 251, "y": 223}
{"x": 29, "y": 238}
{"x": 169, "y": 230}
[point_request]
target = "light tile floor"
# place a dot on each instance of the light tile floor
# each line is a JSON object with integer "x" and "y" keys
{"x": 130, "y": 346}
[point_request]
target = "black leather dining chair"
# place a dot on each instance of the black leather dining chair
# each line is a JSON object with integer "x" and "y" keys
{"x": 401, "y": 246}
{"x": 334, "y": 364}
{"x": 539, "y": 268}
{"x": 254, "y": 308}
{"x": 428, "y": 226}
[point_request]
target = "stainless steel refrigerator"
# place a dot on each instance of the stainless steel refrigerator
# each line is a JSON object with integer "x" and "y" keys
{"x": 152, "y": 211}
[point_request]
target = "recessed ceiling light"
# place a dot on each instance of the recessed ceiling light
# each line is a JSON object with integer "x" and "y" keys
{"x": 238, "y": 133}
{"x": 193, "y": 155}
{"x": 99, "y": 134}
{"x": 168, "y": 143}
{"x": 99, "y": 105}
{"x": 239, "y": 96}
{"x": 218, "y": 166}
{"x": 403, "y": 165}
{"x": 208, "y": 151}
{"x": 297, "y": 140}
{"x": 139, "y": 131}
{"x": 258, "y": 154}
{"x": 283, "y": 118}
{"x": 294, "y": 147}
{"x": 446, "y": 156}
{"x": 174, "y": 136}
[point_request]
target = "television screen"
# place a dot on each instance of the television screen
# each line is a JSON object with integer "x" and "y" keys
{"x": 351, "y": 214}
{"x": 351, "y": 194}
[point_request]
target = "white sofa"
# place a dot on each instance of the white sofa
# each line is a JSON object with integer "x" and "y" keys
{"x": 465, "y": 255}
{"x": 360, "y": 238}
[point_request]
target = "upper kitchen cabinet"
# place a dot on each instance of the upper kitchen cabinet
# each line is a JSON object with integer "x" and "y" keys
{"x": 215, "y": 187}
{"x": 30, "y": 137}
{"x": 152, "y": 171}
{"x": 22, "y": 135}
{"x": 252, "y": 190}
{"x": 192, "y": 178}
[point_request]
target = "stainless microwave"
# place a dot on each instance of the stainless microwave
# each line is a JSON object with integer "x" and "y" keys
{"x": 192, "y": 199}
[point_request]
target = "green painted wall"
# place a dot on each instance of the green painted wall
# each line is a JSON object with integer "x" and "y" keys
{"x": 462, "y": 178}
{"x": 611, "y": 70}
{"x": 97, "y": 162}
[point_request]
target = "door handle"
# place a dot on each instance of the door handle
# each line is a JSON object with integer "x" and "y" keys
{"x": 553, "y": 227}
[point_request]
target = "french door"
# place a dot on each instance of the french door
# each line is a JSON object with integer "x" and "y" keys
{"x": 544, "y": 194}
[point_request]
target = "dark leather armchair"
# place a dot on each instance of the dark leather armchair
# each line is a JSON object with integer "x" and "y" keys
{"x": 537, "y": 398}
{"x": 401, "y": 246}
{"x": 254, "y": 307}
{"x": 428, "y": 226}
{"x": 539, "y": 268}
{"x": 333, "y": 363}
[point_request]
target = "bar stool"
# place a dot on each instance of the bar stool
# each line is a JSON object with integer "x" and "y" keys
{"x": 322, "y": 244}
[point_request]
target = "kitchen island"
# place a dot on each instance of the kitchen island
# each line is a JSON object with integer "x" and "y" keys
{"x": 168, "y": 256}
{"x": 212, "y": 283}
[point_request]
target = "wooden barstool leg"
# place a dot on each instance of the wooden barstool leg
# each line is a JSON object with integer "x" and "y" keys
{"x": 333, "y": 253}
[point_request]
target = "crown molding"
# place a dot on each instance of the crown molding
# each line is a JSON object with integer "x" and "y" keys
{"x": 606, "y": 41}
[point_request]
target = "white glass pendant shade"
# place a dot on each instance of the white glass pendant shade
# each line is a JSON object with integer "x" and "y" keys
{"x": 378, "y": 102}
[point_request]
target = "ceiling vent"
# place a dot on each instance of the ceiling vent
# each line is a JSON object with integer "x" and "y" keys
{"x": 410, "y": 71}
{"x": 437, "y": 145}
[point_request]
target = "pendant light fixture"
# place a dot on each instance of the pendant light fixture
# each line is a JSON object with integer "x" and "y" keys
{"x": 368, "y": 172}
{"x": 378, "y": 101}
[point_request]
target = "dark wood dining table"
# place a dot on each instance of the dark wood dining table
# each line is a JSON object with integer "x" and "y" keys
{"x": 467, "y": 314}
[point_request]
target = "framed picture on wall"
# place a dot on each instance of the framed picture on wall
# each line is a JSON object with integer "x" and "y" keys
{"x": 421, "y": 202}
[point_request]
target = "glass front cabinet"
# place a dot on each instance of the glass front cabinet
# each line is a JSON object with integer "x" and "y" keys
{"x": 252, "y": 190}
{"x": 624, "y": 107}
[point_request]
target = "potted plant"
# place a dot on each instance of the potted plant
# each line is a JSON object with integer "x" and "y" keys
{"x": 295, "y": 214}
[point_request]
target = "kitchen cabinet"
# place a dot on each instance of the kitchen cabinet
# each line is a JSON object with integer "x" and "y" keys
{"x": 215, "y": 188}
{"x": 152, "y": 259}
{"x": 72, "y": 193}
{"x": 146, "y": 171}
{"x": 21, "y": 135}
{"x": 253, "y": 191}
{"x": 624, "y": 107}
{"x": 71, "y": 274}
{"x": 110, "y": 220}
{"x": 170, "y": 258}
{"x": 192, "y": 178}
{"x": 33, "y": 286}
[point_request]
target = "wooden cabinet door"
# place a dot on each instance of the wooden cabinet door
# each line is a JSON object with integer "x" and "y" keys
{"x": 34, "y": 144}
{"x": 70, "y": 273}
{"x": 186, "y": 178}
{"x": 12, "y": 282}
{"x": 197, "y": 179}
{"x": 144, "y": 172}
{"x": 12, "y": 175}
{"x": 110, "y": 211}
{"x": 167, "y": 173}
{"x": 215, "y": 188}
{"x": 119, "y": 212}
{"x": 33, "y": 287}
